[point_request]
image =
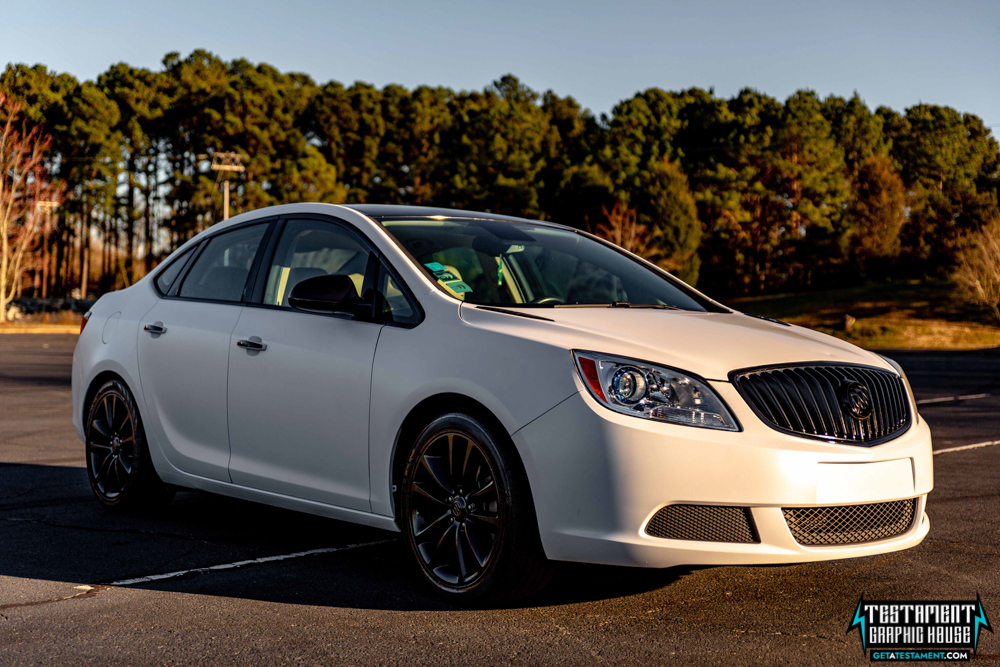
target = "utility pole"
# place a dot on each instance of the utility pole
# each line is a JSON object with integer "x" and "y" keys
{"x": 47, "y": 206}
{"x": 225, "y": 163}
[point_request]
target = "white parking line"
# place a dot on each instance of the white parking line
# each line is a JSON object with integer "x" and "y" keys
{"x": 951, "y": 399}
{"x": 978, "y": 445}
{"x": 242, "y": 563}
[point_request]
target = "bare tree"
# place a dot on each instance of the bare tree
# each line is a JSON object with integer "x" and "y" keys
{"x": 620, "y": 227}
{"x": 978, "y": 270}
{"x": 23, "y": 183}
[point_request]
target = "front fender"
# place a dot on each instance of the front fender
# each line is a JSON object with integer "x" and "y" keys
{"x": 515, "y": 378}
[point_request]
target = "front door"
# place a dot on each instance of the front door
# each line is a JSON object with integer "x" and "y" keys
{"x": 183, "y": 351}
{"x": 299, "y": 383}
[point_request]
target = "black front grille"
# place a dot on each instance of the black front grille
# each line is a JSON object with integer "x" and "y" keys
{"x": 816, "y": 401}
{"x": 850, "y": 524}
{"x": 705, "y": 523}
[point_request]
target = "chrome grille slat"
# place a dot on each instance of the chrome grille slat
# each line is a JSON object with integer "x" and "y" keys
{"x": 802, "y": 402}
{"x": 837, "y": 426}
{"x": 802, "y": 377}
{"x": 776, "y": 402}
{"x": 805, "y": 400}
{"x": 850, "y": 524}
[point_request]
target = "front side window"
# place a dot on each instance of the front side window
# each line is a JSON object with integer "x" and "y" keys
{"x": 311, "y": 248}
{"x": 220, "y": 272}
{"x": 500, "y": 263}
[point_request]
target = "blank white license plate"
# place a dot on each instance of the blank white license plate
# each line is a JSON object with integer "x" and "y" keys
{"x": 864, "y": 482}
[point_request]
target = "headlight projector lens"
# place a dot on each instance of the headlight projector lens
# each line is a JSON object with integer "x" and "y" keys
{"x": 629, "y": 385}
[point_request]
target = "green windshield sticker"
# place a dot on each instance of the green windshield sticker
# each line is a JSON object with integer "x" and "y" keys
{"x": 435, "y": 267}
{"x": 446, "y": 276}
{"x": 458, "y": 286}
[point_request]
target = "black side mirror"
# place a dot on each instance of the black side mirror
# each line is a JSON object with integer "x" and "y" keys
{"x": 328, "y": 294}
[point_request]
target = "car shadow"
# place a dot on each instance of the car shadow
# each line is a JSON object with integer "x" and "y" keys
{"x": 53, "y": 529}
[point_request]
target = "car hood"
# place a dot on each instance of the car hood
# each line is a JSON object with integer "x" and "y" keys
{"x": 707, "y": 344}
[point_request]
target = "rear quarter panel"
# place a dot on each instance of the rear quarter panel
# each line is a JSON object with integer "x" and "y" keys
{"x": 108, "y": 344}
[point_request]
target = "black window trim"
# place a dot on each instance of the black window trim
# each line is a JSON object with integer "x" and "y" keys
{"x": 385, "y": 265}
{"x": 186, "y": 256}
{"x": 251, "y": 276}
{"x": 264, "y": 259}
{"x": 176, "y": 284}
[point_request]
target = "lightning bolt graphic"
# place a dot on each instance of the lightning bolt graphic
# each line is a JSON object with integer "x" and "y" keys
{"x": 980, "y": 620}
{"x": 859, "y": 621}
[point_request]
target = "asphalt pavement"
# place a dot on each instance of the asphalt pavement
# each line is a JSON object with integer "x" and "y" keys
{"x": 79, "y": 586}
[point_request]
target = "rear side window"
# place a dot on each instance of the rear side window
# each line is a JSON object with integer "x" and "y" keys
{"x": 167, "y": 276}
{"x": 220, "y": 272}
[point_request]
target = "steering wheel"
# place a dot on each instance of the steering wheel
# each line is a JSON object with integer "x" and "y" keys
{"x": 546, "y": 299}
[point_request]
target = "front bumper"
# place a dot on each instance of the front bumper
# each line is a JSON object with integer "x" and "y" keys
{"x": 597, "y": 477}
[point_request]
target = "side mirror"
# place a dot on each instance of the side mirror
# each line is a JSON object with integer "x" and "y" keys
{"x": 328, "y": 294}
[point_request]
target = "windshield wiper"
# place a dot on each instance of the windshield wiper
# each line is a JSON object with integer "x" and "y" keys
{"x": 613, "y": 304}
{"x": 626, "y": 304}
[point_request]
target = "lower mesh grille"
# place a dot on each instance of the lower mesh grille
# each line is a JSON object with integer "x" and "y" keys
{"x": 705, "y": 523}
{"x": 850, "y": 524}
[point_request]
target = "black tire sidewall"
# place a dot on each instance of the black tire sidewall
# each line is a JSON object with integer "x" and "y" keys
{"x": 136, "y": 488}
{"x": 488, "y": 441}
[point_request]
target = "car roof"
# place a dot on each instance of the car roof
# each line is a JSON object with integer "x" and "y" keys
{"x": 386, "y": 211}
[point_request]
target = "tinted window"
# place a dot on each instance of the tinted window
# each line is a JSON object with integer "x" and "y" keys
{"x": 166, "y": 277}
{"x": 494, "y": 262}
{"x": 311, "y": 248}
{"x": 221, "y": 271}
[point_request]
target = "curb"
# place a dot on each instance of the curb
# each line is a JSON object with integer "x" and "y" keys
{"x": 41, "y": 329}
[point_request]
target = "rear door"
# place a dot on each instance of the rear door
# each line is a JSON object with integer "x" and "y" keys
{"x": 184, "y": 352}
{"x": 299, "y": 383}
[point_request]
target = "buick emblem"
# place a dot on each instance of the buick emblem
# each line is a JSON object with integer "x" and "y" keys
{"x": 855, "y": 400}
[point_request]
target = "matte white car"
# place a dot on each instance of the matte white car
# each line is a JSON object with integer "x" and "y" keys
{"x": 506, "y": 393}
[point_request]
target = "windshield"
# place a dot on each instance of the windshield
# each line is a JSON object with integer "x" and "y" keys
{"x": 500, "y": 263}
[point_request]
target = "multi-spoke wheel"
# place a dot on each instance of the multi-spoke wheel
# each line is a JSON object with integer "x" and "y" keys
{"x": 467, "y": 513}
{"x": 111, "y": 446}
{"x": 118, "y": 464}
{"x": 454, "y": 511}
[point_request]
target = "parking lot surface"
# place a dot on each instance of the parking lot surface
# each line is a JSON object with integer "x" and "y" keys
{"x": 81, "y": 586}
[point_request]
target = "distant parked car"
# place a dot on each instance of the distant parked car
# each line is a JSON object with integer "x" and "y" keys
{"x": 506, "y": 393}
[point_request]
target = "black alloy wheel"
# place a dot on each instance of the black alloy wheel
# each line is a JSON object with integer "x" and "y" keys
{"x": 468, "y": 516}
{"x": 118, "y": 463}
{"x": 455, "y": 514}
{"x": 111, "y": 446}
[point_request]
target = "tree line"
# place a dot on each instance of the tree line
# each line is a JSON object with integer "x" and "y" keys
{"x": 741, "y": 195}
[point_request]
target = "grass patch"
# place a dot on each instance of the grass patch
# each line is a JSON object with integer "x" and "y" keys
{"x": 911, "y": 315}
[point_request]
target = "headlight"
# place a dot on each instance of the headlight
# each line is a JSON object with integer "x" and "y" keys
{"x": 652, "y": 392}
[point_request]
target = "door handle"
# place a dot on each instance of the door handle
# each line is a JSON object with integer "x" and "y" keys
{"x": 251, "y": 345}
{"x": 155, "y": 328}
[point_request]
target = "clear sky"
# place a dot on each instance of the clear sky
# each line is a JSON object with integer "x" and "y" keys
{"x": 892, "y": 53}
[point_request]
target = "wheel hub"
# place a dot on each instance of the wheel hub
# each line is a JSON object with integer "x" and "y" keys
{"x": 459, "y": 507}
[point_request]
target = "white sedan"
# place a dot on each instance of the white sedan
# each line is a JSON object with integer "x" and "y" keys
{"x": 506, "y": 393}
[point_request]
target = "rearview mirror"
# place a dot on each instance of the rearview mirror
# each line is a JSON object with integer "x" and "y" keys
{"x": 328, "y": 294}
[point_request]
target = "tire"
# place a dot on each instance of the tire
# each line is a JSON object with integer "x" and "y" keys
{"x": 468, "y": 516}
{"x": 120, "y": 469}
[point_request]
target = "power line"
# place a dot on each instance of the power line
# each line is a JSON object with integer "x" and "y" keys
{"x": 226, "y": 163}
